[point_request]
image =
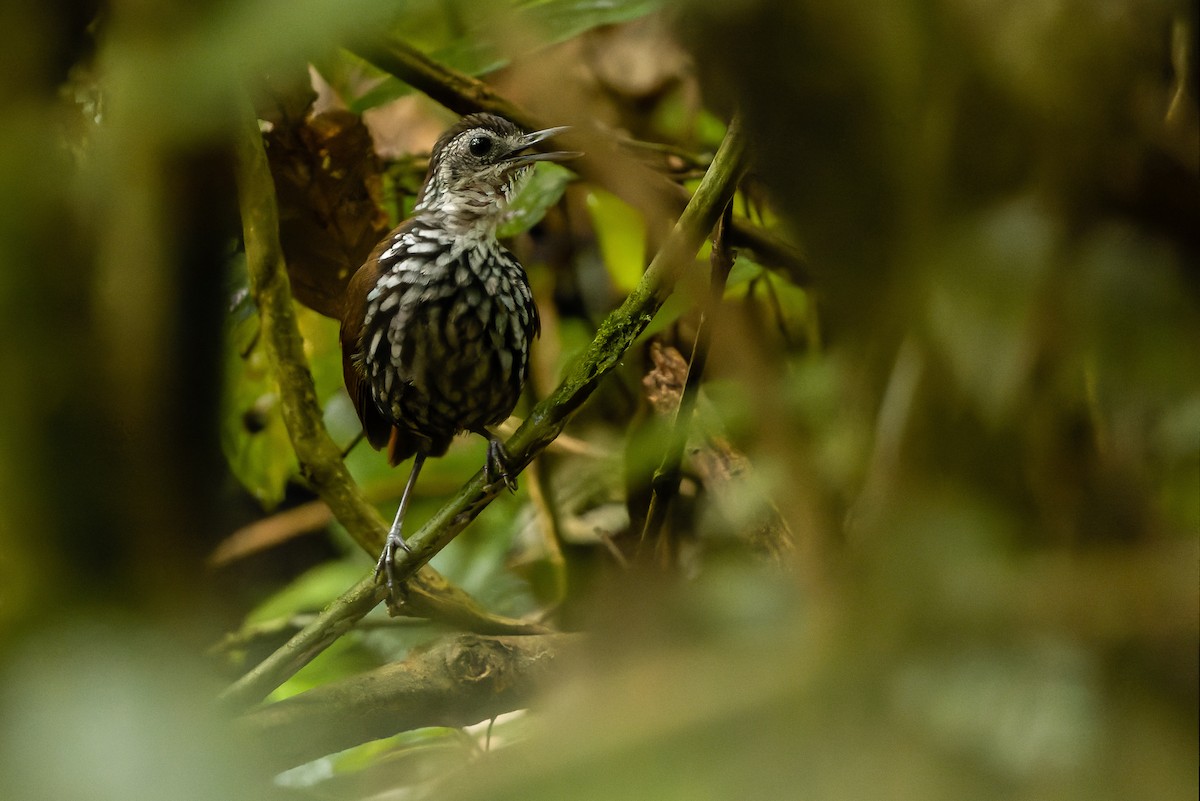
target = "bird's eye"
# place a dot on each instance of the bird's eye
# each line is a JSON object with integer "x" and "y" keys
{"x": 480, "y": 145}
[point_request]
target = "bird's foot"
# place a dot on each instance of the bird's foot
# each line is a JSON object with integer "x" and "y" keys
{"x": 387, "y": 560}
{"x": 495, "y": 469}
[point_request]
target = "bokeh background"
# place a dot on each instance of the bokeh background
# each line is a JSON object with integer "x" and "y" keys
{"x": 937, "y": 533}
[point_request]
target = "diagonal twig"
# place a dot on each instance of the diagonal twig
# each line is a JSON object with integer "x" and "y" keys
{"x": 665, "y": 483}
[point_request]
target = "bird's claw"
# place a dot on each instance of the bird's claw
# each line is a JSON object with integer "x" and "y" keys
{"x": 387, "y": 560}
{"x": 495, "y": 469}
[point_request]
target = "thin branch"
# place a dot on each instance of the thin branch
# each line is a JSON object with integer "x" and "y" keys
{"x": 270, "y": 532}
{"x": 685, "y": 157}
{"x": 258, "y": 635}
{"x": 771, "y": 250}
{"x": 665, "y": 484}
{"x": 282, "y": 526}
{"x": 541, "y": 494}
{"x": 564, "y": 445}
{"x": 337, "y": 618}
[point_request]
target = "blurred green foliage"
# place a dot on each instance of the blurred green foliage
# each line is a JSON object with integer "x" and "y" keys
{"x": 980, "y": 422}
{"x": 474, "y": 38}
{"x": 622, "y": 238}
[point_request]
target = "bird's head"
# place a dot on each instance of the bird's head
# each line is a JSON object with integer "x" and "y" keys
{"x": 478, "y": 163}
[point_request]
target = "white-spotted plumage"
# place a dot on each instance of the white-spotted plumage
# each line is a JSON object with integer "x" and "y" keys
{"x": 440, "y": 319}
{"x": 455, "y": 310}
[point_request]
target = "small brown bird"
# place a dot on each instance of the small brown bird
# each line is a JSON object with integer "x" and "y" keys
{"x": 437, "y": 324}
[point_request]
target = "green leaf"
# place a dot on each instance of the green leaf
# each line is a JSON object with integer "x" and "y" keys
{"x": 310, "y": 591}
{"x": 743, "y": 272}
{"x": 253, "y": 437}
{"x": 323, "y": 349}
{"x": 345, "y": 657}
{"x": 676, "y": 119}
{"x": 542, "y": 191}
{"x": 478, "y": 562}
{"x": 434, "y": 751}
{"x": 621, "y": 233}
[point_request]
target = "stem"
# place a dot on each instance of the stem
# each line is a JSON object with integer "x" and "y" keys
{"x": 665, "y": 484}
{"x": 338, "y": 618}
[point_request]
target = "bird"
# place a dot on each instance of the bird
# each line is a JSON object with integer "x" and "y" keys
{"x": 437, "y": 323}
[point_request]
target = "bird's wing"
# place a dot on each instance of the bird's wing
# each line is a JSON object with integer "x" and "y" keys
{"x": 354, "y": 308}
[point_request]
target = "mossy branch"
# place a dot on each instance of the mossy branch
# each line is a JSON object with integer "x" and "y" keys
{"x": 320, "y": 459}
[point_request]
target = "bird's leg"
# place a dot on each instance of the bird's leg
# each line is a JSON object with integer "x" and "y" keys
{"x": 496, "y": 467}
{"x": 395, "y": 539}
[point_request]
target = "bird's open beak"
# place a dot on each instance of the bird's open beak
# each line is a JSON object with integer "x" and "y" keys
{"x": 519, "y": 158}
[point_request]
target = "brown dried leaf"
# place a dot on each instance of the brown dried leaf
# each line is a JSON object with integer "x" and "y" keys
{"x": 329, "y": 189}
{"x": 664, "y": 383}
